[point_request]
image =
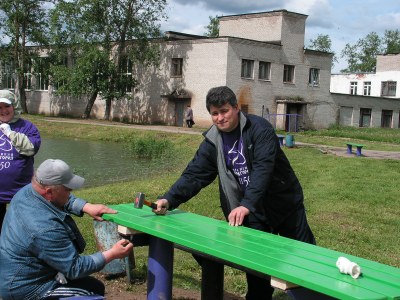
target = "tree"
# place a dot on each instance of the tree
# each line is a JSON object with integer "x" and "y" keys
{"x": 105, "y": 38}
{"x": 323, "y": 43}
{"x": 361, "y": 57}
{"x": 23, "y": 23}
{"x": 391, "y": 40}
{"x": 213, "y": 27}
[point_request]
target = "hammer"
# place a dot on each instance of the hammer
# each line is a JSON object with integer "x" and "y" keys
{"x": 140, "y": 200}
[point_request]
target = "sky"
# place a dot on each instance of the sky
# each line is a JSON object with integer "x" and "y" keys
{"x": 344, "y": 21}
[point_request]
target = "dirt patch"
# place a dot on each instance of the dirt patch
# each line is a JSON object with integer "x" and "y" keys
{"x": 118, "y": 288}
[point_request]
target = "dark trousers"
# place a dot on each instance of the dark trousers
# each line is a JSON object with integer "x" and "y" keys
{"x": 295, "y": 227}
{"x": 79, "y": 287}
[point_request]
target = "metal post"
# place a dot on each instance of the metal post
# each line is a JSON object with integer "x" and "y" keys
{"x": 212, "y": 280}
{"x": 160, "y": 269}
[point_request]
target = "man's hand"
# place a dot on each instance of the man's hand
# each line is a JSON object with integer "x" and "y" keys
{"x": 6, "y": 129}
{"x": 162, "y": 207}
{"x": 97, "y": 210}
{"x": 237, "y": 215}
{"x": 120, "y": 249}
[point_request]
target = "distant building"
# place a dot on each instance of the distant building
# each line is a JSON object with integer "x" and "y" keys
{"x": 260, "y": 56}
{"x": 375, "y": 97}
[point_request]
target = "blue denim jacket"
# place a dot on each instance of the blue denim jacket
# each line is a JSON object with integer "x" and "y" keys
{"x": 36, "y": 244}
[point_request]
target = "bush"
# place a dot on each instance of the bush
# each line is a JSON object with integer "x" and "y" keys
{"x": 149, "y": 147}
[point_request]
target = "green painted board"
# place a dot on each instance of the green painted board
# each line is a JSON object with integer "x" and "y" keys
{"x": 307, "y": 265}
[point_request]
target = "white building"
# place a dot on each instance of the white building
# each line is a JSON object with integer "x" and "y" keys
{"x": 375, "y": 97}
{"x": 382, "y": 83}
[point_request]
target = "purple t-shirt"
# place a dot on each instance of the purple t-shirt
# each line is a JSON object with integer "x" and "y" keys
{"x": 234, "y": 156}
{"x": 16, "y": 170}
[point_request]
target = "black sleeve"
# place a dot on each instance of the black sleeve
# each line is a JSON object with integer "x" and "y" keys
{"x": 199, "y": 173}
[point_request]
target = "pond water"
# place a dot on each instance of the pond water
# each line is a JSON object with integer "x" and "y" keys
{"x": 98, "y": 162}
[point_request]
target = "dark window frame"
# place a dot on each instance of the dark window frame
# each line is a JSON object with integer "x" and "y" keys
{"x": 176, "y": 67}
{"x": 365, "y": 115}
{"x": 288, "y": 73}
{"x": 247, "y": 69}
{"x": 264, "y": 70}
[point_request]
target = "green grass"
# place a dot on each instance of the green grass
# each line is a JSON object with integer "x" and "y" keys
{"x": 353, "y": 204}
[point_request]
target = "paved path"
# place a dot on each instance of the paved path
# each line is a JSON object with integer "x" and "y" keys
{"x": 339, "y": 151}
{"x": 342, "y": 151}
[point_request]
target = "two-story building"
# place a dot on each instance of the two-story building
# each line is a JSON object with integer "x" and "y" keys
{"x": 370, "y": 99}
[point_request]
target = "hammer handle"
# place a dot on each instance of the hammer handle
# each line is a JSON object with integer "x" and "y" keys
{"x": 150, "y": 204}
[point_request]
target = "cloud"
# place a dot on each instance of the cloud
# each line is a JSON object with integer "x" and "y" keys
{"x": 390, "y": 21}
{"x": 235, "y": 6}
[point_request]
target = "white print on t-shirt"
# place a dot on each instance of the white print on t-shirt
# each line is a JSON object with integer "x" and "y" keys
{"x": 238, "y": 163}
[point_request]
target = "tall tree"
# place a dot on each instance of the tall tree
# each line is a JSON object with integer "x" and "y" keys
{"x": 391, "y": 40}
{"x": 361, "y": 57}
{"x": 213, "y": 27}
{"x": 323, "y": 43}
{"x": 106, "y": 38}
{"x": 23, "y": 23}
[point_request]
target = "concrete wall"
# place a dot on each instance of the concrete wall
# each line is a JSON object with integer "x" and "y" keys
{"x": 349, "y": 109}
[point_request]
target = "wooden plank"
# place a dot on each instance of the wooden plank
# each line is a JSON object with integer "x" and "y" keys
{"x": 282, "y": 284}
{"x": 306, "y": 265}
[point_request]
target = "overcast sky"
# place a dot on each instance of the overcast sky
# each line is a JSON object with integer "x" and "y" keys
{"x": 345, "y": 21}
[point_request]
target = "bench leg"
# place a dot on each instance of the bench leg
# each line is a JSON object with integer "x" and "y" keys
{"x": 349, "y": 149}
{"x": 306, "y": 294}
{"x": 212, "y": 280}
{"x": 280, "y": 141}
{"x": 160, "y": 269}
{"x": 358, "y": 153}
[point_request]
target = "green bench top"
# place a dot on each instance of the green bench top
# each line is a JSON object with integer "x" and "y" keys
{"x": 355, "y": 144}
{"x": 306, "y": 265}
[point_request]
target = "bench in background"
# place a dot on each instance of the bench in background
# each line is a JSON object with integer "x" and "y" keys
{"x": 280, "y": 138}
{"x": 350, "y": 148}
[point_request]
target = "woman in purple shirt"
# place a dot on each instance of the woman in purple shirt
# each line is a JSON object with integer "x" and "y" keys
{"x": 19, "y": 142}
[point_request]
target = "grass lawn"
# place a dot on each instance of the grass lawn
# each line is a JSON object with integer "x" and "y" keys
{"x": 353, "y": 204}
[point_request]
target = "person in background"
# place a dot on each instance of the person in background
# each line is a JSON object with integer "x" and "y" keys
{"x": 41, "y": 246}
{"x": 257, "y": 185}
{"x": 189, "y": 116}
{"x": 19, "y": 142}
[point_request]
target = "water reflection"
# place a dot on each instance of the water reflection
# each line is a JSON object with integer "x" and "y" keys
{"x": 99, "y": 162}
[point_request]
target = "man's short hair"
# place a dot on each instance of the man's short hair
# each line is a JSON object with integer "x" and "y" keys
{"x": 219, "y": 96}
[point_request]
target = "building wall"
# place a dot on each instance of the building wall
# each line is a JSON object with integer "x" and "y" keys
{"x": 389, "y": 62}
{"x": 349, "y": 109}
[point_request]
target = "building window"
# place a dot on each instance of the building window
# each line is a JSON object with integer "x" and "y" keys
{"x": 389, "y": 88}
{"x": 365, "y": 117}
{"x": 264, "y": 70}
{"x": 386, "y": 118}
{"x": 288, "y": 73}
{"x": 353, "y": 88}
{"x": 367, "y": 88}
{"x": 313, "y": 77}
{"x": 176, "y": 70}
{"x": 247, "y": 68}
{"x": 7, "y": 76}
{"x": 126, "y": 76}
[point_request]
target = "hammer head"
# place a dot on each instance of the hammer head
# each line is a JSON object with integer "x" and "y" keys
{"x": 139, "y": 200}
